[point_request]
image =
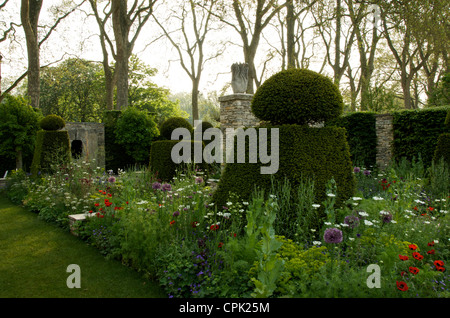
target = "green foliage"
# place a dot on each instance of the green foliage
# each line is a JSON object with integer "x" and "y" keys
{"x": 443, "y": 148}
{"x": 52, "y": 148}
{"x": 52, "y": 122}
{"x": 260, "y": 217}
{"x": 135, "y": 131}
{"x": 74, "y": 90}
{"x": 161, "y": 162}
{"x": 116, "y": 157}
{"x": 441, "y": 94}
{"x": 361, "y": 136}
{"x": 297, "y": 96}
{"x": 169, "y": 125}
{"x": 416, "y": 133}
{"x": 18, "y": 126}
{"x": 318, "y": 154}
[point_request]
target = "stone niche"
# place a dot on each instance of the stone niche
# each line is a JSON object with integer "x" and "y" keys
{"x": 87, "y": 141}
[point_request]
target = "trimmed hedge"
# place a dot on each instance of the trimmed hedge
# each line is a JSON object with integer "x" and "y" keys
{"x": 361, "y": 136}
{"x": 416, "y": 133}
{"x": 161, "y": 162}
{"x": 297, "y": 96}
{"x": 52, "y": 147}
{"x": 304, "y": 152}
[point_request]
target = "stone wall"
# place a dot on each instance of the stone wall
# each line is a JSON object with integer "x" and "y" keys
{"x": 235, "y": 112}
{"x": 92, "y": 136}
{"x": 385, "y": 138}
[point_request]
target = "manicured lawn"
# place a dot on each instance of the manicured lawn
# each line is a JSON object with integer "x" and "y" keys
{"x": 34, "y": 256}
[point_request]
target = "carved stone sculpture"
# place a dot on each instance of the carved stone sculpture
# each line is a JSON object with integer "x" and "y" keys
{"x": 239, "y": 78}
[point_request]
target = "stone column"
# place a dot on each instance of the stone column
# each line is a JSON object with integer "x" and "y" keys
{"x": 385, "y": 138}
{"x": 235, "y": 112}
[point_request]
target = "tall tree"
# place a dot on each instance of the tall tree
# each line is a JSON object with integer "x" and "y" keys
{"x": 189, "y": 39}
{"x": 29, "y": 15}
{"x": 127, "y": 23}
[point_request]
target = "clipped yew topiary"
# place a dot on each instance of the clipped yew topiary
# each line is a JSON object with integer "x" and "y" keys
{"x": 297, "y": 96}
{"x": 52, "y": 123}
{"x": 318, "y": 154}
{"x": 443, "y": 143}
{"x": 170, "y": 124}
{"x": 52, "y": 149}
{"x": 291, "y": 101}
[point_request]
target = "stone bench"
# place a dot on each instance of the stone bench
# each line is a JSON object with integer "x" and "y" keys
{"x": 73, "y": 218}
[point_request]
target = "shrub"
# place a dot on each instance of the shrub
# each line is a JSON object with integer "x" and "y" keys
{"x": 52, "y": 147}
{"x": 171, "y": 124}
{"x": 52, "y": 122}
{"x": 161, "y": 161}
{"x": 135, "y": 131}
{"x": 297, "y": 96}
{"x": 318, "y": 154}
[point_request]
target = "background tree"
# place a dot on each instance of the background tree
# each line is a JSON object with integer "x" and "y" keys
{"x": 73, "y": 90}
{"x": 189, "y": 42}
{"x": 18, "y": 128}
{"x": 127, "y": 23}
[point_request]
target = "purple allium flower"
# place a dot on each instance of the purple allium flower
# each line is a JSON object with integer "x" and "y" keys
{"x": 332, "y": 235}
{"x": 356, "y": 169}
{"x": 386, "y": 216}
{"x": 166, "y": 187}
{"x": 198, "y": 180}
{"x": 156, "y": 186}
{"x": 352, "y": 221}
{"x": 366, "y": 172}
{"x": 111, "y": 179}
{"x": 176, "y": 213}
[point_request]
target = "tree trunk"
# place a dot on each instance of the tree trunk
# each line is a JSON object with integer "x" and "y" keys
{"x": 195, "y": 86}
{"x": 290, "y": 25}
{"x": 19, "y": 158}
{"x": 29, "y": 15}
{"x": 406, "y": 87}
{"x": 120, "y": 26}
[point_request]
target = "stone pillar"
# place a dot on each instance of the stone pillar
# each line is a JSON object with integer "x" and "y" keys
{"x": 92, "y": 135}
{"x": 385, "y": 138}
{"x": 235, "y": 112}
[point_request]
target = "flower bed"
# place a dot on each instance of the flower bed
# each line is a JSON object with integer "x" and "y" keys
{"x": 389, "y": 240}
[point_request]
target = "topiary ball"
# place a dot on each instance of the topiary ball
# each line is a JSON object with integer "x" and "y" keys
{"x": 297, "y": 96}
{"x": 171, "y": 124}
{"x": 52, "y": 123}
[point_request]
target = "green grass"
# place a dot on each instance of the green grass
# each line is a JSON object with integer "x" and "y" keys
{"x": 34, "y": 256}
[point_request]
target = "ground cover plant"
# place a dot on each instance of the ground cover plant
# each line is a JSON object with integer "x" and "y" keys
{"x": 388, "y": 240}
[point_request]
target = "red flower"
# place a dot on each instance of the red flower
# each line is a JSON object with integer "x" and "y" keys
{"x": 403, "y": 258}
{"x": 430, "y": 252}
{"x": 438, "y": 263}
{"x": 97, "y": 204}
{"x": 431, "y": 244}
{"x": 195, "y": 224}
{"x": 403, "y": 273}
{"x": 440, "y": 268}
{"x": 214, "y": 227}
{"x": 412, "y": 247}
{"x": 430, "y": 208}
{"x": 402, "y": 286}
{"x": 127, "y": 202}
{"x": 90, "y": 211}
{"x": 172, "y": 222}
{"x": 417, "y": 256}
{"x": 413, "y": 270}
{"x": 415, "y": 208}
{"x": 220, "y": 245}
